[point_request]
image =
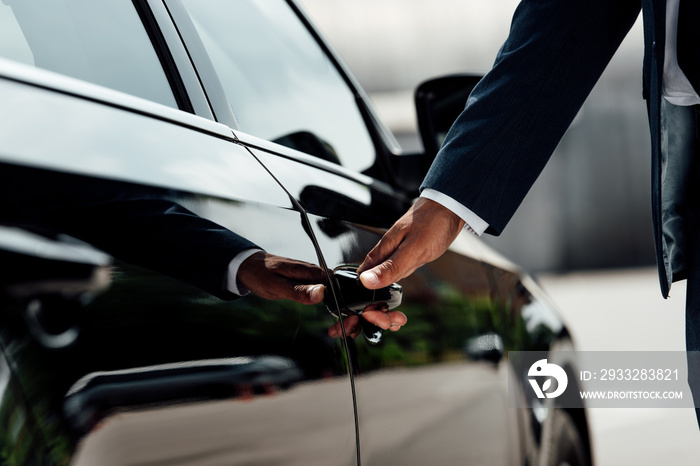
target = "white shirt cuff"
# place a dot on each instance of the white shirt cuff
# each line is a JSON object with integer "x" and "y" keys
{"x": 232, "y": 283}
{"x": 474, "y": 223}
{"x": 675, "y": 88}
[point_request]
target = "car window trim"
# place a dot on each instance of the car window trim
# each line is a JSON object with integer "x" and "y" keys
{"x": 383, "y": 138}
{"x": 180, "y": 59}
{"x": 203, "y": 66}
{"x": 166, "y": 60}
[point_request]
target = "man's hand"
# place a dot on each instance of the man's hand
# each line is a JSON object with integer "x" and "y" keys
{"x": 419, "y": 237}
{"x": 275, "y": 277}
{"x": 375, "y": 314}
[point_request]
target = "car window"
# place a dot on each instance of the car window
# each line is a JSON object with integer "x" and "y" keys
{"x": 101, "y": 42}
{"x": 279, "y": 81}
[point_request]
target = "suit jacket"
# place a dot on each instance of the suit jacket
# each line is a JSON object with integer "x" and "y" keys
{"x": 517, "y": 114}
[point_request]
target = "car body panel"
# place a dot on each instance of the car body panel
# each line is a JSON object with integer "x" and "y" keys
{"x": 93, "y": 142}
{"x": 67, "y": 158}
{"x": 145, "y": 322}
{"x": 123, "y": 350}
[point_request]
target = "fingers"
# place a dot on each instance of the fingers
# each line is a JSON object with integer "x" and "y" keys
{"x": 352, "y": 325}
{"x": 383, "y": 249}
{"x": 378, "y": 318}
{"x": 276, "y": 287}
{"x": 421, "y": 235}
{"x": 404, "y": 260}
{"x": 398, "y": 320}
{"x": 305, "y": 294}
{"x": 384, "y": 263}
{"x": 392, "y": 270}
{"x": 299, "y": 271}
{"x": 387, "y": 320}
{"x": 390, "y": 259}
{"x": 275, "y": 277}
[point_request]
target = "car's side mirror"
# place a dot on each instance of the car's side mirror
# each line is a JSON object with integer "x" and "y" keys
{"x": 311, "y": 144}
{"x": 439, "y": 102}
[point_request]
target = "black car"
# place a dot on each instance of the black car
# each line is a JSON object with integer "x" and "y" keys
{"x": 129, "y": 128}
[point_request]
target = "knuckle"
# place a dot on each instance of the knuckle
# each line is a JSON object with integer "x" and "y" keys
{"x": 389, "y": 267}
{"x": 300, "y": 294}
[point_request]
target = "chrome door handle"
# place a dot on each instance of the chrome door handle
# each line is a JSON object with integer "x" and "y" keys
{"x": 354, "y": 298}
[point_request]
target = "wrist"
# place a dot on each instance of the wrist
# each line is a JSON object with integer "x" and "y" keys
{"x": 475, "y": 224}
{"x": 239, "y": 270}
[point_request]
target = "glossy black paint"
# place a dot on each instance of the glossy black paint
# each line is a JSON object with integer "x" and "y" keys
{"x": 119, "y": 344}
{"x": 150, "y": 340}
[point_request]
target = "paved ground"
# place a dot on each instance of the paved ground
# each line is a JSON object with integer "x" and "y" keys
{"x": 443, "y": 415}
{"x": 623, "y": 310}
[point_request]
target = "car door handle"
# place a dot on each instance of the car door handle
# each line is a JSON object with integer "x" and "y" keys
{"x": 354, "y": 298}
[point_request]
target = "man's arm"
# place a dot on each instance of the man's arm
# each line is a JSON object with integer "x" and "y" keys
{"x": 513, "y": 121}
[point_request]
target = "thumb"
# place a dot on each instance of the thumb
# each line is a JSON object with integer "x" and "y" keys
{"x": 380, "y": 276}
{"x": 308, "y": 294}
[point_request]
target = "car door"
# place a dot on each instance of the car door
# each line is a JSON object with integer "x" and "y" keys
{"x": 435, "y": 391}
{"x": 300, "y": 112}
{"x": 156, "y": 363}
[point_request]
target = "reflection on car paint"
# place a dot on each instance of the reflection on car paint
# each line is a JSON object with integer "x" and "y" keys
{"x": 144, "y": 358}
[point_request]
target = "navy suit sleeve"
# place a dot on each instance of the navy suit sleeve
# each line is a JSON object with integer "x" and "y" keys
{"x": 517, "y": 114}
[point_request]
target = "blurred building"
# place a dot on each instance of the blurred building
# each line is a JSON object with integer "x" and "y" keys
{"x": 591, "y": 206}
